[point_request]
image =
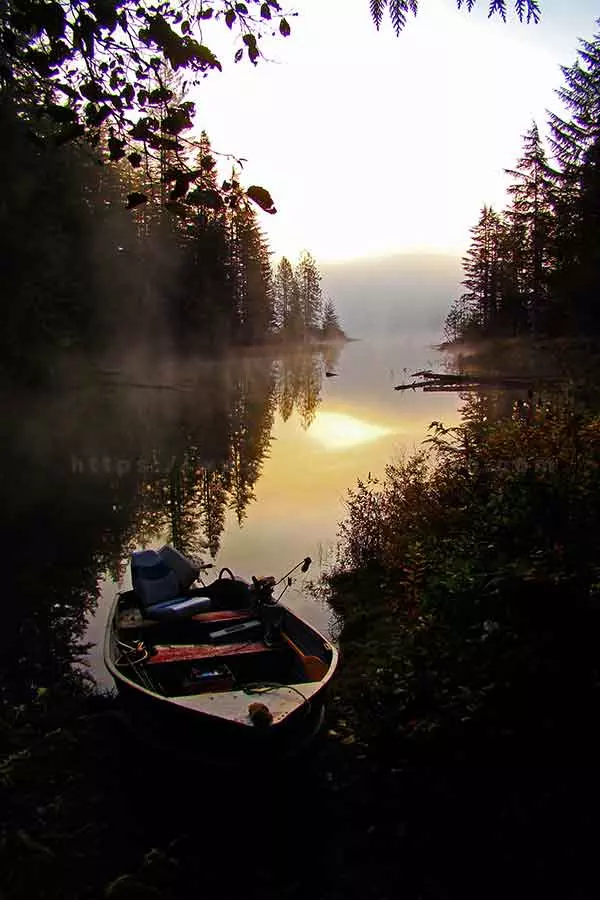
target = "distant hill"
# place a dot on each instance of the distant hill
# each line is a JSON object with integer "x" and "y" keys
{"x": 400, "y": 294}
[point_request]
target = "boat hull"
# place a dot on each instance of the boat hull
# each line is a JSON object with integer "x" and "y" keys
{"x": 175, "y": 726}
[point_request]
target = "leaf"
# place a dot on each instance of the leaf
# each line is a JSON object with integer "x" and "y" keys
{"x": 51, "y": 17}
{"x": 69, "y": 133}
{"x": 181, "y": 188}
{"x": 238, "y": 54}
{"x": 96, "y": 115}
{"x": 229, "y": 18}
{"x": 60, "y": 113}
{"x": 160, "y": 95}
{"x": 135, "y": 159}
{"x": 115, "y": 149}
{"x": 135, "y": 199}
{"x": 206, "y": 13}
{"x": 84, "y": 34}
{"x": 128, "y": 94}
{"x": 284, "y": 28}
{"x": 205, "y": 197}
{"x": 250, "y": 41}
{"x": 265, "y": 11}
{"x": 91, "y": 91}
{"x": 262, "y": 198}
{"x": 157, "y": 142}
{"x": 242, "y": 9}
{"x": 105, "y": 12}
{"x": 144, "y": 128}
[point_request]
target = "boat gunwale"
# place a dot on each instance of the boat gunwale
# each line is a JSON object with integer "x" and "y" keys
{"x": 174, "y": 702}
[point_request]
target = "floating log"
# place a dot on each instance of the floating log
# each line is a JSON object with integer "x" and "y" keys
{"x": 438, "y": 381}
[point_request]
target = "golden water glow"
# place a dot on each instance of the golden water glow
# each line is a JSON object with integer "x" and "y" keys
{"x": 336, "y": 431}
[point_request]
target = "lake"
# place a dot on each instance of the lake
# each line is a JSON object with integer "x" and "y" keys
{"x": 246, "y": 462}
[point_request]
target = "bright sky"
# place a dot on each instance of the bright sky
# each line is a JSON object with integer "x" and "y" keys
{"x": 372, "y": 144}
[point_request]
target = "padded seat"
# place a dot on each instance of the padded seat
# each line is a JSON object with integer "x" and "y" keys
{"x": 179, "y": 608}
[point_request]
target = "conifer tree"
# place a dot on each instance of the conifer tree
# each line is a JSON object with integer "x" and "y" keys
{"x": 330, "y": 326}
{"x": 530, "y": 222}
{"x": 576, "y": 145}
{"x": 308, "y": 279}
{"x": 286, "y": 304}
{"x": 480, "y": 304}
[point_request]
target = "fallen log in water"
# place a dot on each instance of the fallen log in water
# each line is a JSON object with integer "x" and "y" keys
{"x": 437, "y": 381}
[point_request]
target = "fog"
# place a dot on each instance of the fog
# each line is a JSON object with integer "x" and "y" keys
{"x": 393, "y": 295}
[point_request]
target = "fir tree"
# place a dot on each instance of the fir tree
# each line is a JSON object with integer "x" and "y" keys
{"x": 285, "y": 297}
{"x": 530, "y": 222}
{"x": 576, "y": 144}
{"x": 481, "y": 302}
{"x": 330, "y": 327}
{"x": 308, "y": 279}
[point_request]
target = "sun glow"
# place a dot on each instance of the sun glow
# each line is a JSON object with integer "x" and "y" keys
{"x": 337, "y": 431}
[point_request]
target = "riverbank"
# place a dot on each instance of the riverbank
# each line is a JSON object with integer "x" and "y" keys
{"x": 90, "y": 813}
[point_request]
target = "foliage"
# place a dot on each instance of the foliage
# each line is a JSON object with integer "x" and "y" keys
{"x": 535, "y": 267}
{"x": 102, "y": 70}
{"x": 330, "y": 325}
{"x": 298, "y": 312}
{"x": 400, "y": 9}
{"x": 475, "y": 558}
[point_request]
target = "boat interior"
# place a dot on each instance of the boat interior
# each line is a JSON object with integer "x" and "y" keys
{"x": 213, "y": 651}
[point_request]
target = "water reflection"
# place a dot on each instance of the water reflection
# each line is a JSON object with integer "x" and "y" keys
{"x": 247, "y": 462}
{"x": 337, "y": 430}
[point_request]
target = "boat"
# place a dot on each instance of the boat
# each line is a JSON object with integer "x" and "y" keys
{"x": 223, "y": 671}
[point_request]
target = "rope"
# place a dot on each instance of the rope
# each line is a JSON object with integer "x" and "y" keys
{"x": 263, "y": 687}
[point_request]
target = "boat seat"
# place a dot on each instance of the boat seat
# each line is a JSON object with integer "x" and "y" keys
{"x": 178, "y": 608}
{"x": 132, "y": 619}
{"x": 165, "y": 653}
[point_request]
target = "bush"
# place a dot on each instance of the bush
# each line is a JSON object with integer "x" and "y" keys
{"x": 468, "y": 580}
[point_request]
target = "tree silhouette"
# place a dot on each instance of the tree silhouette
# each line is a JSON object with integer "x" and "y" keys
{"x": 308, "y": 279}
{"x": 287, "y": 317}
{"x": 399, "y": 10}
{"x": 330, "y": 325}
{"x": 101, "y": 70}
{"x": 531, "y": 216}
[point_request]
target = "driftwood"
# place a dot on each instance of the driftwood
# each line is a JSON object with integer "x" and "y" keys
{"x": 437, "y": 381}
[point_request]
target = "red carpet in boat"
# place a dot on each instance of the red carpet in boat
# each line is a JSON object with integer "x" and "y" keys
{"x": 204, "y": 651}
{"x": 220, "y": 615}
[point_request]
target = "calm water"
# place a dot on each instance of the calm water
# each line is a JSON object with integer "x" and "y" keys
{"x": 246, "y": 462}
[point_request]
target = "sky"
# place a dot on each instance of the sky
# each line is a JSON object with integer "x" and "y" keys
{"x": 373, "y": 144}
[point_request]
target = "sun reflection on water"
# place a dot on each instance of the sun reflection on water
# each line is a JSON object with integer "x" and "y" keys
{"x": 337, "y": 431}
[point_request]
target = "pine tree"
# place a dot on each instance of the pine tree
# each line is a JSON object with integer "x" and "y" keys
{"x": 330, "y": 326}
{"x": 572, "y": 138}
{"x": 287, "y": 318}
{"x": 480, "y": 304}
{"x": 576, "y": 144}
{"x": 308, "y": 279}
{"x": 530, "y": 221}
{"x": 249, "y": 270}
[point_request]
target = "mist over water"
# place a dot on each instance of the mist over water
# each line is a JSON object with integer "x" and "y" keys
{"x": 405, "y": 295}
{"x": 246, "y": 461}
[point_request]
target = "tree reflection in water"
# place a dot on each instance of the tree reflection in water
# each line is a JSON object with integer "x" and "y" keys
{"x": 93, "y": 472}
